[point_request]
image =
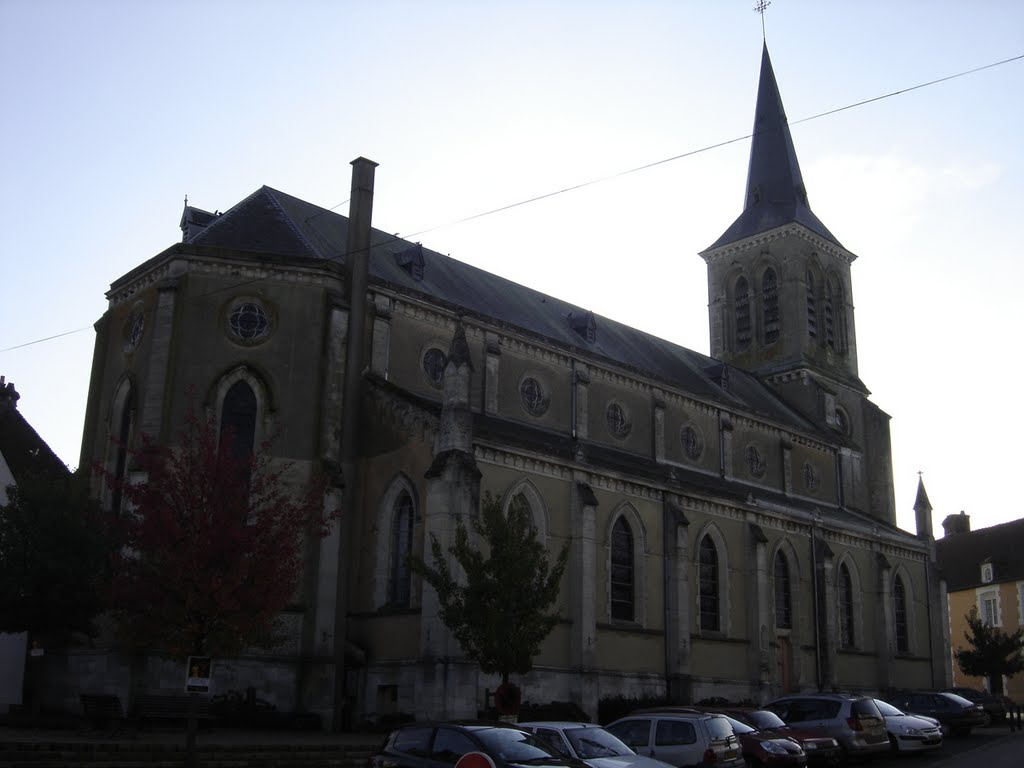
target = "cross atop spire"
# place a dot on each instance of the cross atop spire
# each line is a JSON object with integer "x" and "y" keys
{"x": 761, "y": 6}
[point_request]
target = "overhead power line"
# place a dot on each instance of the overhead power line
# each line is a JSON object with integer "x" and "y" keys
{"x": 591, "y": 182}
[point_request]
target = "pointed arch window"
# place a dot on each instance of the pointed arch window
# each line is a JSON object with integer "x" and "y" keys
{"x": 238, "y": 419}
{"x": 710, "y": 604}
{"x": 742, "y": 305}
{"x": 812, "y": 308}
{"x": 124, "y": 434}
{"x": 845, "y": 587}
{"x": 401, "y": 548}
{"x": 783, "y": 593}
{"x": 899, "y": 606}
{"x": 623, "y": 572}
{"x": 770, "y": 300}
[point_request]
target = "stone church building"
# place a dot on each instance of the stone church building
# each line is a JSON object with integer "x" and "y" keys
{"x": 730, "y": 518}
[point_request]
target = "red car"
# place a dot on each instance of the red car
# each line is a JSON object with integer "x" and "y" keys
{"x": 822, "y": 750}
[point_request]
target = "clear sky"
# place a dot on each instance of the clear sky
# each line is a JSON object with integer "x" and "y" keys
{"x": 114, "y": 110}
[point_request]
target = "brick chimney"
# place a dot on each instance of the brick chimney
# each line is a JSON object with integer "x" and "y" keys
{"x": 954, "y": 524}
{"x": 8, "y": 396}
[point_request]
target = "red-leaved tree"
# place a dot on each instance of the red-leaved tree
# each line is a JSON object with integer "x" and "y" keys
{"x": 213, "y": 544}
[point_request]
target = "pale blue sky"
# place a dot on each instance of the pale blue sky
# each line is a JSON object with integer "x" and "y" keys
{"x": 113, "y": 111}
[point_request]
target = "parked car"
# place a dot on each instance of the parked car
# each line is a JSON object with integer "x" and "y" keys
{"x": 994, "y": 706}
{"x": 590, "y": 743}
{"x": 956, "y": 715}
{"x": 852, "y": 720}
{"x": 681, "y": 737}
{"x": 765, "y": 749}
{"x": 909, "y": 733}
{"x": 822, "y": 750}
{"x": 431, "y": 745}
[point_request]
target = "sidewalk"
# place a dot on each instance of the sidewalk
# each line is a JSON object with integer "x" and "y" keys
{"x": 176, "y": 735}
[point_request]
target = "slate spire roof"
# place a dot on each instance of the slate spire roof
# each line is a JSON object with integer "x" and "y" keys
{"x": 775, "y": 194}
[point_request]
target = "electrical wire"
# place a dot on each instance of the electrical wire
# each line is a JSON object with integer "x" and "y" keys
{"x": 572, "y": 188}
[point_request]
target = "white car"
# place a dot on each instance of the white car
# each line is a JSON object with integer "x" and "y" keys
{"x": 910, "y": 733}
{"x": 590, "y": 743}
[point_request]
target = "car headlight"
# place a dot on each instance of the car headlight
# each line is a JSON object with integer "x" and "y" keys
{"x": 775, "y": 747}
{"x": 906, "y": 730}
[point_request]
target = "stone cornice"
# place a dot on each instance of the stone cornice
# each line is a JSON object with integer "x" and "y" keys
{"x": 761, "y": 239}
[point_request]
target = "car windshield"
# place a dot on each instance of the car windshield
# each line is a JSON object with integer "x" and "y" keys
{"x": 515, "y": 746}
{"x": 719, "y": 728}
{"x": 958, "y": 700}
{"x": 887, "y": 710}
{"x": 765, "y": 720}
{"x": 595, "y": 742}
{"x": 738, "y": 727}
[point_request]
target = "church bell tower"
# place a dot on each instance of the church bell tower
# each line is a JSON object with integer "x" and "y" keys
{"x": 780, "y": 304}
{"x": 779, "y": 289}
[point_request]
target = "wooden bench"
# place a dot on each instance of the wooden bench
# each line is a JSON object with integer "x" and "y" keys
{"x": 102, "y": 711}
{"x": 172, "y": 706}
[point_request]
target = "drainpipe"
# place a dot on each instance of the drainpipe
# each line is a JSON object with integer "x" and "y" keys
{"x": 817, "y": 617}
{"x": 357, "y": 261}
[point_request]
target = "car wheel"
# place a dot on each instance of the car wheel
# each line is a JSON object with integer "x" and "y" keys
{"x": 894, "y": 745}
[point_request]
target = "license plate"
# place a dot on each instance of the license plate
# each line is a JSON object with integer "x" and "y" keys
{"x": 732, "y": 754}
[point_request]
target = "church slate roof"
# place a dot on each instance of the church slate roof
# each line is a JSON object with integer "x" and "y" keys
{"x": 274, "y": 223}
{"x": 776, "y": 194}
{"x": 960, "y": 555}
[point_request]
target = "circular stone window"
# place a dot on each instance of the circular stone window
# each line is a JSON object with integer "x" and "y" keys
{"x": 618, "y": 422}
{"x": 248, "y": 321}
{"x": 810, "y": 476}
{"x": 693, "y": 446}
{"x": 134, "y": 334}
{"x": 433, "y": 366}
{"x": 755, "y": 461}
{"x": 535, "y": 401}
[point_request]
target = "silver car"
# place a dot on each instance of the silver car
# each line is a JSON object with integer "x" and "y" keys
{"x": 910, "y": 733}
{"x": 590, "y": 743}
{"x": 854, "y": 721}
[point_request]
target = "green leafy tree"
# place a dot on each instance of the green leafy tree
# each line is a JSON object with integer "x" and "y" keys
{"x": 54, "y": 565}
{"x": 501, "y": 611}
{"x": 992, "y": 652}
{"x": 54, "y": 558}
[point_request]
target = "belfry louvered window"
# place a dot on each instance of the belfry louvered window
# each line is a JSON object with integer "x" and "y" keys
{"x": 830, "y": 321}
{"x": 742, "y": 304}
{"x": 812, "y": 309}
{"x": 770, "y": 299}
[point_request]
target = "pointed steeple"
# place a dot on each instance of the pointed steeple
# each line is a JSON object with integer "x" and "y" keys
{"x": 775, "y": 193}
{"x": 923, "y": 510}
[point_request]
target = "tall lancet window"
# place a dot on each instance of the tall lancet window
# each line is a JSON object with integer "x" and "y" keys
{"x": 845, "y": 588}
{"x": 742, "y": 314}
{"x": 401, "y": 548}
{"x": 710, "y": 611}
{"x": 830, "y": 322}
{"x": 783, "y": 593}
{"x": 770, "y": 299}
{"x": 899, "y": 605}
{"x": 238, "y": 418}
{"x": 622, "y": 572}
{"x": 812, "y": 308}
{"x": 124, "y": 434}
